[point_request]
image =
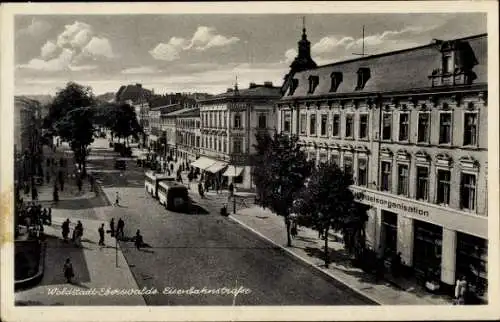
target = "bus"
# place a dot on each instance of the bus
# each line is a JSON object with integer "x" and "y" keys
{"x": 152, "y": 179}
{"x": 173, "y": 195}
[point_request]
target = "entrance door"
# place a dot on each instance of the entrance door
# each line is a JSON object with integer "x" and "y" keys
{"x": 427, "y": 250}
{"x": 390, "y": 232}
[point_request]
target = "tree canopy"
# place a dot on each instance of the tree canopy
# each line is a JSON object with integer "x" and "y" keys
{"x": 121, "y": 119}
{"x": 280, "y": 170}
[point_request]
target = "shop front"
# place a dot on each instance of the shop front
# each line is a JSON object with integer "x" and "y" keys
{"x": 389, "y": 232}
{"x": 427, "y": 250}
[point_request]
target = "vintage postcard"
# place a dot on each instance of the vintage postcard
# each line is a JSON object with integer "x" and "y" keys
{"x": 249, "y": 161}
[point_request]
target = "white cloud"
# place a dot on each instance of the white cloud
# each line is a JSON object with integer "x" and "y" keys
{"x": 48, "y": 50}
{"x": 169, "y": 51}
{"x": 74, "y": 45}
{"x": 57, "y": 64}
{"x": 140, "y": 70}
{"x": 327, "y": 44}
{"x": 204, "y": 38}
{"x": 290, "y": 55}
{"x": 36, "y": 28}
{"x": 99, "y": 47}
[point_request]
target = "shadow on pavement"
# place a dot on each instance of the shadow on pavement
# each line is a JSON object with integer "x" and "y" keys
{"x": 57, "y": 252}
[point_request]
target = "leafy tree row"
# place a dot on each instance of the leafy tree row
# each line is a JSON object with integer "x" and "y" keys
{"x": 288, "y": 183}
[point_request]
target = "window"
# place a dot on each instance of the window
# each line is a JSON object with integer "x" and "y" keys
{"x": 447, "y": 64}
{"x": 444, "y": 128}
{"x": 324, "y": 121}
{"x": 237, "y": 145}
{"x": 472, "y": 261}
{"x": 423, "y": 127}
{"x": 219, "y": 119}
{"x": 225, "y": 118}
{"x": 470, "y": 129}
{"x": 443, "y": 189}
{"x": 303, "y": 123}
{"x": 363, "y": 77}
{"x": 336, "y": 125}
{"x": 386, "y": 126}
{"x": 404, "y": 120}
{"x": 224, "y": 146}
{"x": 237, "y": 120}
{"x": 287, "y": 120}
{"x": 335, "y": 158}
{"x": 422, "y": 183}
{"x": 337, "y": 78}
{"x": 313, "y": 83}
{"x": 293, "y": 86}
{"x": 262, "y": 121}
{"x": 211, "y": 145}
{"x": 348, "y": 164}
{"x": 468, "y": 191}
{"x": 362, "y": 173}
{"x": 197, "y": 141}
{"x": 349, "y": 125}
{"x": 363, "y": 126}
{"x": 212, "y": 119}
{"x": 385, "y": 180}
{"x": 403, "y": 179}
{"x": 312, "y": 124}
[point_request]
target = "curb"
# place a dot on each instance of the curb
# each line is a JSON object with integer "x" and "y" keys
{"x": 38, "y": 276}
{"x": 304, "y": 260}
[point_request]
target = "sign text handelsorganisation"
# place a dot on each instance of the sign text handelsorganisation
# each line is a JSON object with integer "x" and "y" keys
{"x": 361, "y": 196}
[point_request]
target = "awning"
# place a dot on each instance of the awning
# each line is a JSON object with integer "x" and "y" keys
{"x": 203, "y": 163}
{"x": 216, "y": 167}
{"x": 233, "y": 171}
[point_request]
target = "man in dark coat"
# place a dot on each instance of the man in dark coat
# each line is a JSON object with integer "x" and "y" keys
{"x": 101, "y": 235}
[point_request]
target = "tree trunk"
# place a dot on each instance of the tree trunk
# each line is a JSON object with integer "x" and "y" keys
{"x": 288, "y": 237}
{"x": 84, "y": 163}
{"x": 326, "y": 246}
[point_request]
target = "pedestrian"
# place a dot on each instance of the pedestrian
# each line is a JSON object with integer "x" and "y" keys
{"x": 65, "y": 230}
{"x": 101, "y": 235}
{"x": 294, "y": 228}
{"x": 112, "y": 227}
{"x": 68, "y": 271}
{"x": 119, "y": 228}
{"x": 117, "y": 199}
{"x": 138, "y": 239}
{"x": 231, "y": 189}
{"x": 460, "y": 291}
{"x": 200, "y": 190}
{"x": 78, "y": 233}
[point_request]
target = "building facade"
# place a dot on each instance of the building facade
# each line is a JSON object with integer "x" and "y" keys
{"x": 168, "y": 126}
{"x": 411, "y": 126}
{"x": 229, "y": 123}
{"x": 188, "y": 134}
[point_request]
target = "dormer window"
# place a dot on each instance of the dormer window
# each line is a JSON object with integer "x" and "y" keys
{"x": 313, "y": 83}
{"x": 337, "y": 78}
{"x": 447, "y": 64}
{"x": 363, "y": 77}
{"x": 293, "y": 86}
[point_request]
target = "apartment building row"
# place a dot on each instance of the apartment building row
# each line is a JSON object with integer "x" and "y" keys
{"x": 411, "y": 127}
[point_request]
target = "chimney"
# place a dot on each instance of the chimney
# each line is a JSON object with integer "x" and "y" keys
{"x": 268, "y": 84}
{"x": 252, "y": 85}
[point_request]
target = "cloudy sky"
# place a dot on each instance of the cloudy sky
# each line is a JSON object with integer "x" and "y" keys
{"x": 205, "y": 53}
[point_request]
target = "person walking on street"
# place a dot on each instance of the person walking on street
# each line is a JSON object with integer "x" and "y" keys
{"x": 117, "y": 199}
{"x": 101, "y": 235}
{"x": 65, "y": 230}
{"x": 112, "y": 227}
{"x": 119, "y": 228}
{"x": 200, "y": 190}
{"x": 138, "y": 240}
{"x": 78, "y": 233}
{"x": 231, "y": 189}
{"x": 68, "y": 271}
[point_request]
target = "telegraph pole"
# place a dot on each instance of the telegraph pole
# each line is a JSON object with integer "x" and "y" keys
{"x": 362, "y": 54}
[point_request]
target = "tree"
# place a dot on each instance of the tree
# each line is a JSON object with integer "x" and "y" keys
{"x": 120, "y": 119}
{"x": 329, "y": 203}
{"x": 280, "y": 169}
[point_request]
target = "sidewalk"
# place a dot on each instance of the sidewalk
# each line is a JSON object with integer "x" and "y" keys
{"x": 309, "y": 248}
{"x": 94, "y": 266}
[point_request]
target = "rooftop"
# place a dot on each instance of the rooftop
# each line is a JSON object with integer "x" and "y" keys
{"x": 266, "y": 90}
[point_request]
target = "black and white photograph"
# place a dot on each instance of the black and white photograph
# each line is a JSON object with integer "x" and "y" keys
{"x": 290, "y": 156}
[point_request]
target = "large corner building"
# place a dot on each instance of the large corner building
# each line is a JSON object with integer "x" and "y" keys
{"x": 411, "y": 126}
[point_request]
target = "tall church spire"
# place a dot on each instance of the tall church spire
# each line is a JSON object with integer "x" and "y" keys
{"x": 303, "y": 60}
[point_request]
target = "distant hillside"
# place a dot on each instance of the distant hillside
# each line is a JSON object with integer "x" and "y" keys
{"x": 106, "y": 97}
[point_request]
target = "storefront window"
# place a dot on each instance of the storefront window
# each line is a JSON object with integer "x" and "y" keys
{"x": 471, "y": 262}
{"x": 427, "y": 250}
